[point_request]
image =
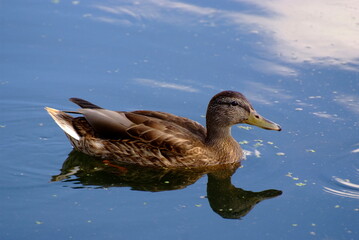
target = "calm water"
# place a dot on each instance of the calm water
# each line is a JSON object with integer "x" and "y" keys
{"x": 297, "y": 64}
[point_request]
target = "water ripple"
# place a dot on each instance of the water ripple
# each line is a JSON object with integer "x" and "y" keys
{"x": 349, "y": 189}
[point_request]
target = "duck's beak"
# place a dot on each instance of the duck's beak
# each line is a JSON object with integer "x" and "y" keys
{"x": 259, "y": 121}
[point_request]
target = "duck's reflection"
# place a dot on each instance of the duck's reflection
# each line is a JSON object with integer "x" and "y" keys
{"x": 229, "y": 201}
{"x": 224, "y": 198}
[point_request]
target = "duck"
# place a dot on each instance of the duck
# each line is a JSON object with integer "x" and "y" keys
{"x": 160, "y": 139}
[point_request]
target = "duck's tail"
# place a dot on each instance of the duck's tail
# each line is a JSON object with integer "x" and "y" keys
{"x": 64, "y": 121}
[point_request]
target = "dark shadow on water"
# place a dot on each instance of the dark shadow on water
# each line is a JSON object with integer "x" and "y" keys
{"x": 224, "y": 198}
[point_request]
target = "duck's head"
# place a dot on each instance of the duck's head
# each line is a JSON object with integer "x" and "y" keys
{"x": 228, "y": 108}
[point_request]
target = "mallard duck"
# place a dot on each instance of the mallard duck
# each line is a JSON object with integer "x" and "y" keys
{"x": 159, "y": 139}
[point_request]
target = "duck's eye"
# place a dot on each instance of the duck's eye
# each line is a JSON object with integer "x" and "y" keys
{"x": 234, "y": 103}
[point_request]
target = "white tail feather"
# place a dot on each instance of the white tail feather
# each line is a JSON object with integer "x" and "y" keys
{"x": 63, "y": 124}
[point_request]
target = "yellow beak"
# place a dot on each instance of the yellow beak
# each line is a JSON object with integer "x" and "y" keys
{"x": 259, "y": 121}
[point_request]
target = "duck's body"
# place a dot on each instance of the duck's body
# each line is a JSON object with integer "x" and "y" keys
{"x": 151, "y": 138}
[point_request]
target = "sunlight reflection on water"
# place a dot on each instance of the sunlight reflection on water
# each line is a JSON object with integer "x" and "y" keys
{"x": 303, "y": 33}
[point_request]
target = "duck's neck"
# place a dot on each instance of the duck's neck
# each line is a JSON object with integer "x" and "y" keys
{"x": 218, "y": 134}
{"x": 221, "y": 141}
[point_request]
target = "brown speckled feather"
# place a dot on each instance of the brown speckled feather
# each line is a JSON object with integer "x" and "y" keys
{"x": 186, "y": 123}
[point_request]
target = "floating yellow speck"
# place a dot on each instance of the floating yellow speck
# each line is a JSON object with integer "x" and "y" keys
{"x": 300, "y": 184}
{"x": 280, "y": 154}
{"x": 39, "y": 222}
{"x": 198, "y": 205}
{"x": 336, "y": 206}
{"x": 294, "y": 225}
{"x": 310, "y": 150}
{"x": 243, "y": 142}
{"x": 245, "y": 127}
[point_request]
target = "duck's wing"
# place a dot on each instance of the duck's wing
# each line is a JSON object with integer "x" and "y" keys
{"x": 103, "y": 122}
{"x": 166, "y": 130}
{"x": 186, "y": 123}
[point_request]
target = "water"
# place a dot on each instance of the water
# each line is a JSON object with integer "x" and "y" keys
{"x": 297, "y": 66}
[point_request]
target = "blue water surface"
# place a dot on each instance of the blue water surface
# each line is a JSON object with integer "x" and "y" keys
{"x": 298, "y": 65}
